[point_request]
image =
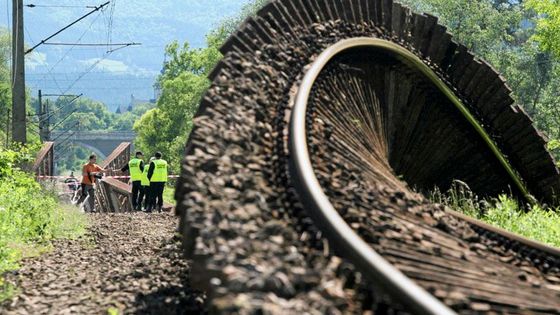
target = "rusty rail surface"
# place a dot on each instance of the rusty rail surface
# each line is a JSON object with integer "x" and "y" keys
{"x": 44, "y": 163}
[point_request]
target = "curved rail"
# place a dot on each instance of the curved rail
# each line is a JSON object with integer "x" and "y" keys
{"x": 478, "y": 105}
{"x": 323, "y": 212}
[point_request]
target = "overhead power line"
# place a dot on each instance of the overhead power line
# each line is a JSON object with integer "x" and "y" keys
{"x": 90, "y": 44}
{"x": 67, "y": 26}
{"x": 124, "y": 46}
{"x": 64, "y": 119}
{"x": 66, "y": 54}
{"x": 63, "y": 132}
{"x": 31, "y": 5}
{"x": 60, "y": 108}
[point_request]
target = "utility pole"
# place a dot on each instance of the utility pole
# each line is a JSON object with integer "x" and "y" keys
{"x": 19, "y": 133}
{"x": 47, "y": 122}
{"x": 8, "y": 129}
{"x": 42, "y": 118}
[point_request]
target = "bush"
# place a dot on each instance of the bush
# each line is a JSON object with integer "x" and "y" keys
{"x": 29, "y": 214}
{"x": 537, "y": 223}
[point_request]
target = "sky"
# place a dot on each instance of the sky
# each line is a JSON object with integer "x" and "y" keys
{"x": 111, "y": 77}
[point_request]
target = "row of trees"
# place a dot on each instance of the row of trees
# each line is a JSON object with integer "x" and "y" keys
{"x": 92, "y": 115}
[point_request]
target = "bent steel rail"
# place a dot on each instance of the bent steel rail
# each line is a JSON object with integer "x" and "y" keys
{"x": 323, "y": 212}
{"x": 328, "y": 219}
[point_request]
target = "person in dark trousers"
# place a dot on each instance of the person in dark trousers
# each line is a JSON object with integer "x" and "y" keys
{"x": 135, "y": 166}
{"x": 145, "y": 193}
{"x": 157, "y": 174}
{"x": 90, "y": 172}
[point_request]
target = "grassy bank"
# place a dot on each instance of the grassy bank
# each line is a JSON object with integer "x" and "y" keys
{"x": 30, "y": 216}
{"x": 539, "y": 224}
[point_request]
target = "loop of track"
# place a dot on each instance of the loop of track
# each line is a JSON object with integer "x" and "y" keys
{"x": 369, "y": 119}
{"x": 348, "y": 243}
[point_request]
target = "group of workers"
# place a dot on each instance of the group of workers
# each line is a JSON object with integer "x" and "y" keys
{"x": 148, "y": 182}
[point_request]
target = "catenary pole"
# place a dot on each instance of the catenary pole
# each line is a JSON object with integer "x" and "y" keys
{"x": 19, "y": 133}
{"x": 42, "y": 114}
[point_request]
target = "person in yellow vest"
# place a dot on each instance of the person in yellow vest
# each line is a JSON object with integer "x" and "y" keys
{"x": 145, "y": 193}
{"x": 157, "y": 174}
{"x": 135, "y": 166}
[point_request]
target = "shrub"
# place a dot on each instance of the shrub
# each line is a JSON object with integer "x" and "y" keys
{"x": 29, "y": 214}
{"x": 537, "y": 223}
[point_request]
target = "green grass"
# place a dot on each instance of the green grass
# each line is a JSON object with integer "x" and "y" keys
{"x": 30, "y": 217}
{"x": 538, "y": 223}
{"x": 168, "y": 194}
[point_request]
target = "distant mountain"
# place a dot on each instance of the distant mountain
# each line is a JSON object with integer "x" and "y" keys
{"x": 114, "y": 77}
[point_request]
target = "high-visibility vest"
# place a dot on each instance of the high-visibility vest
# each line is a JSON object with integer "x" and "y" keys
{"x": 160, "y": 171}
{"x": 145, "y": 181}
{"x": 134, "y": 169}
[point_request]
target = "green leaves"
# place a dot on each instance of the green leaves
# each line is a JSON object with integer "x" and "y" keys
{"x": 183, "y": 83}
{"x": 548, "y": 24}
{"x": 29, "y": 215}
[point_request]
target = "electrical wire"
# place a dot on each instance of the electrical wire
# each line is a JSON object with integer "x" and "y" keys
{"x": 91, "y": 44}
{"x": 87, "y": 71}
{"x": 59, "y": 109}
{"x": 68, "y": 52}
{"x": 31, "y": 5}
{"x": 63, "y": 120}
{"x": 67, "y": 26}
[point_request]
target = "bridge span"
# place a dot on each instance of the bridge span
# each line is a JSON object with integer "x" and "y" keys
{"x": 101, "y": 143}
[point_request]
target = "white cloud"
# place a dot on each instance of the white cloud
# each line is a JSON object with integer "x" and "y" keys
{"x": 118, "y": 67}
{"x": 35, "y": 59}
{"x": 107, "y": 65}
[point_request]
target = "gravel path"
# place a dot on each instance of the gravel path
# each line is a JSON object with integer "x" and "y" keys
{"x": 130, "y": 262}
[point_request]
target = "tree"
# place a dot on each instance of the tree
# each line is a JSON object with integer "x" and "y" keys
{"x": 547, "y": 24}
{"x": 183, "y": 83}
{"x": 503, "y": 33}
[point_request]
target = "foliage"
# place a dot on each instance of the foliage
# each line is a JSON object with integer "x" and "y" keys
{"x": 537, "y": 223}
{"x": 481, "y": 25}
{"x": 5, "y": 87}
{"x": 28, "y": 213}
{"x": 125, "y": 121}
{"x": 505, "y": 34}
{"x": 4, "y": 55}
{"x": 85, "y": 114}
{"x": 554, "y": 147}
{"x": 183, "y": 83}
{"x": 548, "y": 24}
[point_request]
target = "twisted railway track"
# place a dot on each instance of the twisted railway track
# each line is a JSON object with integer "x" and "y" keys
{"x": 323, "y": 121}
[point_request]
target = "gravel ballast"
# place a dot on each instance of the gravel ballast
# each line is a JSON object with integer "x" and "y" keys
{"x": 130, "y": 262}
